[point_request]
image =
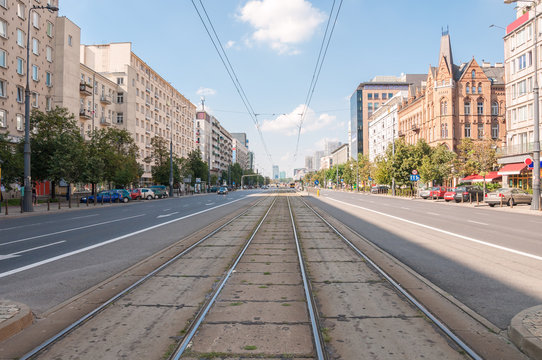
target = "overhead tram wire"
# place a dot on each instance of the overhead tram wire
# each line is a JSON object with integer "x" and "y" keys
{"x": 317, "y": 70}
{"x": 231, "y": 73}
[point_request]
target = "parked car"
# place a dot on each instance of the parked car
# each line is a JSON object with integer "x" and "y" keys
{"x": 222, "y": 191}
{"x": 142, "y": 193}
{"x": 438, "y": 192}
{"x": 380, "y": 189}
{"x": 124, "y": 195}
{"x": 160, "y": 191}
{"x": 509, "y": 196}
{"x": 425, "y": 193}
{"x": 450, "y": 194}
{"x": 468, "y": 192}
{"x": 213, "y": 189}
{"x": 102, "y": 196}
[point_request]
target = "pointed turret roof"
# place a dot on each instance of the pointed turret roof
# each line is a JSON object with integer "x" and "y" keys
{"x": 446, "y": 50}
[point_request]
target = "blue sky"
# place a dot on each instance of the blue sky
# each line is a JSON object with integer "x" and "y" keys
{"x": 273, "y": 46}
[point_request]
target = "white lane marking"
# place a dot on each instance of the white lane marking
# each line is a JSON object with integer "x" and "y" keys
{"x": 432, "y": 213}
{"x": 46, "y": 261}
{"x": 166, "y": 209}
{"x": 72, "y": 229}
{"x": 167, "y": 215}
{"x": 405, "y": 208}
{"x": 517, "y": 252}
{"x": 20, "y": 226}
{"x": 209, "y": 204}
{"x": 16, "y": 254}
{"x": 81, "y": 217}
{"x": 477, "y": 222}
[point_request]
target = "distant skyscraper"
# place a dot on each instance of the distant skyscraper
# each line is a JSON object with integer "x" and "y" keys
{"x": 331, "y": 146}
{"x": 275, "y": 172}
{"x": 309, "y": 161}
{"x": 282, "y": 175}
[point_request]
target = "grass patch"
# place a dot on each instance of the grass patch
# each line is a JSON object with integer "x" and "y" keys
{"x": 285, "y": 304}
{"x": 236, "y": 303}
{"x": 250, "y": 347}
{"x": 325, "y": 335}
{"x": 263, "y": 286}
{"x": 267, "y": 273}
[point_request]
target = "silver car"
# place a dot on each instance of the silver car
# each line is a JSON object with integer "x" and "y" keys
{"x": 508, "y": 196}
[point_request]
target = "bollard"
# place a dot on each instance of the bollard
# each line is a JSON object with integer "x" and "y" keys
{"x": 318, "y": 192}
{"x": 21, "y": 204}
{"x": 501, "y": 200}
{"x": 79, "y": 200}
{"x": 470, "y": 198}
{"x": 87, "y": 200}
{"x": 69, "y": 202}
{"x": 6, "y": 206}
{"x": 48, "y": 204}
{"x": 58, "y": 203}
{"x": 477, "y": 198}
{"x": 511, "y": 201}
{"x": 102, "y": 199}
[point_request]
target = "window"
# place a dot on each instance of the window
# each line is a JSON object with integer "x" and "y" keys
{"x": 369, "y": 109}
{"x": 384, "y": 96}
{"x": 35, "y": 46}
{"x": 3, "y": 88}
{"x": 467, "y": 88}
{"x": 20, "y": 66}
{"x": 49, "y": 29}
{"x": 34, "y": 73}
{"x": 495, "y": 108}
{"x": 479, "y": 88}
{"x": 20, "y": 122}
{"x": 20, "y": 37}
{"x": 20, "y": 94}
{"x": 49, "y": 53}
{"x": 480, "y": 107}
{"x": 3, "y": 28}
{"x": 3, "y": 56}
{"x": 370, "y": 96}
{"x": 3, "y": 122}
{"x": 48, "y": 80}
{"x": 36, "y": 20}
{"x": 120, "y": 98}
{"x": 522, "y": 62}
{"x": 480, "y": 130}
{"x": 467, "y": 108}
{"x": 376, "y": 95}
{"x": 495, "y": 130}
{"x": 473, "y": 74}
{"x": 443, "y": 108}
{"x": 467, "y": 130}
{"x": 21, "y": 10}
{"x": 69, "y": 40}
{"x": 444, "y": 131}
{"x": 35, "y": 100}
{"x": 120, "y": 81}
{"x": 120, "y": 118}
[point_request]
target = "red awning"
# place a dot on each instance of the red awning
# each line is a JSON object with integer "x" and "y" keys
{"x": 512, "y": 169}
{"x": 490, "y": 176}
{"x": 469, "y": 178}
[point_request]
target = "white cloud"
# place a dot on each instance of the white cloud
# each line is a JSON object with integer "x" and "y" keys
{"x": 229, "y": 44}
{"x": 205, "y": 91}
{"x": 282, "y": 23}
{"x": 288, "y": 124}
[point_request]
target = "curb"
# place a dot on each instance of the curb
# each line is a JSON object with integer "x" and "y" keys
{"x": 525, "y": 331}
{"x": 12, "y": 325}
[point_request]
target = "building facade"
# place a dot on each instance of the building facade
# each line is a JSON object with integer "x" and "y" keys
{"x": 240, "y": 150}
{"x": 275, "y": 172}
{"x": 214, "y": 142}
{"x": 367, "y": 98}
{"x": 13, "y": 38}
{"x": 383, "y": 125}
{"x": 466, "y": 101}
{"x": 519, "y": 50}
{"x": 340, "y": 155}
{"x": 309, "y": 163}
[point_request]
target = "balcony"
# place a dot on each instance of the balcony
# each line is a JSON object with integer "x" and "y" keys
{"x": 85, "y": 114}
{"x": 148, "y": 90}
{"x": 400, "y": 133}
{"x": 147, "y": 117}
{"x": 148, "y": 103}
{"x": 105, "y": 99}
{"x": 415, "y": 127}
{"x": 85, "y": 89}
{"x": 517, "y": 149}
{"x": 104, "y": 121}
{"x": 156, "y": 108}
{"x": 156, "y": 95}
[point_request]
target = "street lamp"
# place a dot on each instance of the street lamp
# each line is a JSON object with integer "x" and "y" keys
{"x": 535, "y": 204}
{"x": 27, "y": 198}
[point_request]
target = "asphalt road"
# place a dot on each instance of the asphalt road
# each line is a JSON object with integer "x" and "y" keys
{"x": 47, "y": 259}
{"x": 489, "y": 260}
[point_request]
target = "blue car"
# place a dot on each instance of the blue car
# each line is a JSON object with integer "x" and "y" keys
{"x": 105, "y": 196}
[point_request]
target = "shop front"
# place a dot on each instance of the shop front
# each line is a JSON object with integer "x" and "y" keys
{"x": 517, "y": 175}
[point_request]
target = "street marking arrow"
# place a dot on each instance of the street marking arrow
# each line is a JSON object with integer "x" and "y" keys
{"x": 166, "y": 215}
{"x": 17, "y": 254}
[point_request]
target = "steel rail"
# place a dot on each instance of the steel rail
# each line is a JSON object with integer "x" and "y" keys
{"x": 100, "y": 308}
{"x": 399, "y": 288}
{"x": 320, "y": 353}
{"x": 201, "y": 316}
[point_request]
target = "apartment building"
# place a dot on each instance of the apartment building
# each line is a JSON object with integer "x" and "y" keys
{"x": 519, "y": 54}
{"x": 309, "y": 161}
{"x": 13, "y": 39}
{"x": 367, "y": 98}
{"x": 214, "y": 142}
{"x": 384, "y": 124}
{"x": 240, "y": 150}
{"x": 143, "y": 102}
{"x": 465, "y": 101}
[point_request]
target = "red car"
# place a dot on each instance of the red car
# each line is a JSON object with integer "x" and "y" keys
{"x": 450, "y": 194}
{"x": 438, "y": 192}
{"x": 135, "y": 194}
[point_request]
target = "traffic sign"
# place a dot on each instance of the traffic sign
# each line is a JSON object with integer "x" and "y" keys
{"x": 528, "y": 161}
{"x": 531, "y": 165}
{"x": 414, "y": 172}
{"x": 316, "y": 182}
{"x": 414, "y": 177}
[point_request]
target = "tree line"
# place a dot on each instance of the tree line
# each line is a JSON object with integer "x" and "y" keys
{"x": 434, "y": 164}
{"x": 109, "y": 156}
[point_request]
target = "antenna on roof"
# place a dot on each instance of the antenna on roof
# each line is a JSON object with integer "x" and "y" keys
{"x": 445, "y": 32}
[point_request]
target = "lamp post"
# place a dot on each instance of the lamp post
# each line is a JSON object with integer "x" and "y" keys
{"x": 535, "y": 204}
{"x": 27, "y": 199}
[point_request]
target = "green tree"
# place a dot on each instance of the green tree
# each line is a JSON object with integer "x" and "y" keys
{"x": 160, "y": 158}
{"x": 438, "y": 165}
{"x": 382, "y": 170}
{"x": 11, "y": 162}
{"x": 196, "y": 167}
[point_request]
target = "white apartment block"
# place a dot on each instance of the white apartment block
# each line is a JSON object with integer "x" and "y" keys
{"x": 340, "y": 155}
{"x": 13, "y": 38}
{"x": 215, "y": 143}
{"x": 241, "y": 154}
{"x": 384, "y": 125}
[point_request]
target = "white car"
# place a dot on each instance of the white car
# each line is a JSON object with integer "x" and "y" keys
{"x": 148, "y": 194}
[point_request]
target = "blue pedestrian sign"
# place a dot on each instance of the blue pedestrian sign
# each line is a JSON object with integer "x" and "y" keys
{"x": 414, "y": 177}
{"x": 316, "y": 182}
